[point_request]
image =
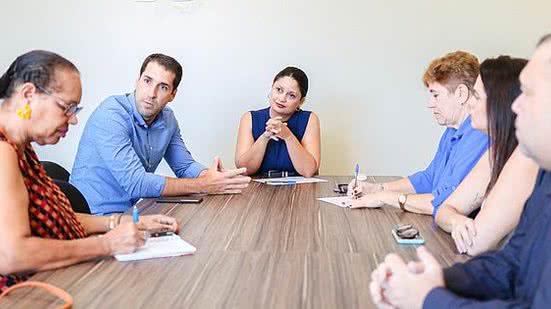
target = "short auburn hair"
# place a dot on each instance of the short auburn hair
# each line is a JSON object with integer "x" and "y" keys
{"x": 452, "y": 70}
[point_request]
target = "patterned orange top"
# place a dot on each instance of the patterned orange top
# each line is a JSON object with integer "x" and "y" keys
{"x": 50, "y": 213}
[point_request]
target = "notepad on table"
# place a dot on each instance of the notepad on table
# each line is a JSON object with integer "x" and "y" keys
{"x": 158, "y": 247}
{"x": 341, "y": 201}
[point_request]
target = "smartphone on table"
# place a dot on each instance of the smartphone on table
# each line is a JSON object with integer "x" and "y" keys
{"x": 341, "y": 188}
{"x": 407, "y": 234}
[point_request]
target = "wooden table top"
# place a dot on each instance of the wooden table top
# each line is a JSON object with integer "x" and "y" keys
{"x": 270, "y": 247}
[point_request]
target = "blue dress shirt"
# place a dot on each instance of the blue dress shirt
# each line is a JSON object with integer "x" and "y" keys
{"x": 119, "y": 153}
{"x": 518, "y": 276}
{"x": 458, "y": 152}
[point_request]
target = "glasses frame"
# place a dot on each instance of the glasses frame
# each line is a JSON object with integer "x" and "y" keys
{"x": 69, "y": 109}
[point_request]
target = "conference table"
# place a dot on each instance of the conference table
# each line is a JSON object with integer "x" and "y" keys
{"x": 269, "y": 247}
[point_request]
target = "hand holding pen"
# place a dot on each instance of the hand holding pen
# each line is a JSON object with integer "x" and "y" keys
{"x": 357, "y": 189}
{"x": 356, "y": 172}
{"x": 152, "y": 223}
{"x": 127, "y": 237}
{"x": 353, "y": 189}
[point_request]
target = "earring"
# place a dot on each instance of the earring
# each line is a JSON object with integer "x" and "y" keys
{"x": 24, "y": 112}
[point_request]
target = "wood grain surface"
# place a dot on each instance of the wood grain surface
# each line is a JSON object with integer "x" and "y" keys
{"x": 270, "y": 247}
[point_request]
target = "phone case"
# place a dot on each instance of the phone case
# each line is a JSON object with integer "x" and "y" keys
{"x": 418, "y": 240}
{"x": 341, "y": 188}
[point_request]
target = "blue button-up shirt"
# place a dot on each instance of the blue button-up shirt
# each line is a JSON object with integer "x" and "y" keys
{"x": 119, "y": 153}
{"x": 518, "y": 276}
{"x": 458, "y": 152}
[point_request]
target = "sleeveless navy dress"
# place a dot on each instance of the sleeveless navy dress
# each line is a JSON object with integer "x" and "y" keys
{"x": 276, "y": 157}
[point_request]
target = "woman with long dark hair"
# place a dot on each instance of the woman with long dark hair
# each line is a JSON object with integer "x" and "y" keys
{"x": 494, "y": 181}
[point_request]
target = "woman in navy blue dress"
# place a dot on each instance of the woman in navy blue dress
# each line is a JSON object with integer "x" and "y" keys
{"x": 281, "y": 139}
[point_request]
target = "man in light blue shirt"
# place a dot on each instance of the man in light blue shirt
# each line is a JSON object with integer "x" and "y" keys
{"x": 126, "y": 138}
{"x": 450, "y": 80}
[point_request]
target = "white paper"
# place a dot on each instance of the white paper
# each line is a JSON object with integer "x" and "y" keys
{"x": 341, "y": 201}
{"x": 296, "y": 179}
{"x": 157, "y": 247}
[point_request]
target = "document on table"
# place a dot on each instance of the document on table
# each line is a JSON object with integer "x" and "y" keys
{"x": 157, "y": 247}
{"x": 341, "y": 201}
{"x": 288, "y": 180}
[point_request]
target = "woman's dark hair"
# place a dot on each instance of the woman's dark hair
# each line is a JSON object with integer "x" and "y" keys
{"x": 544, "y": 39}
{"x": 298, "y": 75}
{"x": 37, "y": 67}
{"x": 500, "y": 77}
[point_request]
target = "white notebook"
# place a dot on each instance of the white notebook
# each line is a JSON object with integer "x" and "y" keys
{"x": 158, "y": 247}
{"x": 341, "y": 201}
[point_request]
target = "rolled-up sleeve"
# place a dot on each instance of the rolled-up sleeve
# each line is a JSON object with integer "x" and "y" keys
{"x": 442, "y": 193}
{"x": 120, "y": 157}
{"x": 179, "y": 158}
{"x": 423, "y": 181}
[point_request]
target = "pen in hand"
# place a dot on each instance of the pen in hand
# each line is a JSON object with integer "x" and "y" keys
{"x": 136, "y": 219}
{"x": 355, "y": 194}
{"x": 356, "y": 176}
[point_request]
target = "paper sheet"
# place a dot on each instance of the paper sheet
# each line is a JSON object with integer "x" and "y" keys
{"x": 157, "y": 247}
{"x": 341, "y": 201}
{"x": 296, "y": 179}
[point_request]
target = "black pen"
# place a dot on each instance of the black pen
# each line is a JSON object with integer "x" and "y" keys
{"x": 161, "y": 234}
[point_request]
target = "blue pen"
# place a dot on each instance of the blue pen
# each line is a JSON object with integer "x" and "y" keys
{"x": 135, "y": 215}
{"x": 281, "y": 182}
{"x": 356, "y": 175}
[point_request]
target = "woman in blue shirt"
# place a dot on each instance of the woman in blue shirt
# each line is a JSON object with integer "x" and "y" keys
{"x": 281, "y": 138}
{"x": 450, "y": 80}
{"x": 494, "y": 181}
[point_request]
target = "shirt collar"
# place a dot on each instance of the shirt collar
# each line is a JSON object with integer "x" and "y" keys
{"x": 464, "y": 128}
{"x": 138, "y": 118}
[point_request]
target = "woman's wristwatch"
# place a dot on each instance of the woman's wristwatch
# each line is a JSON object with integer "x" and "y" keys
{"x": 402, "y": 199}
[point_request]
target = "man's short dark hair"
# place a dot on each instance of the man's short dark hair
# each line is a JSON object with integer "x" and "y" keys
{"x": 544, "y": 39}
{"x": 167, "y": 62}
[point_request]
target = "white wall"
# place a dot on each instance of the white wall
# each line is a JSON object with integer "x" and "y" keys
{"x": 364, "y": 59}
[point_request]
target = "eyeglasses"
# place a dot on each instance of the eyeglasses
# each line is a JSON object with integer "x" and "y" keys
{"x": 69, "y": 109}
